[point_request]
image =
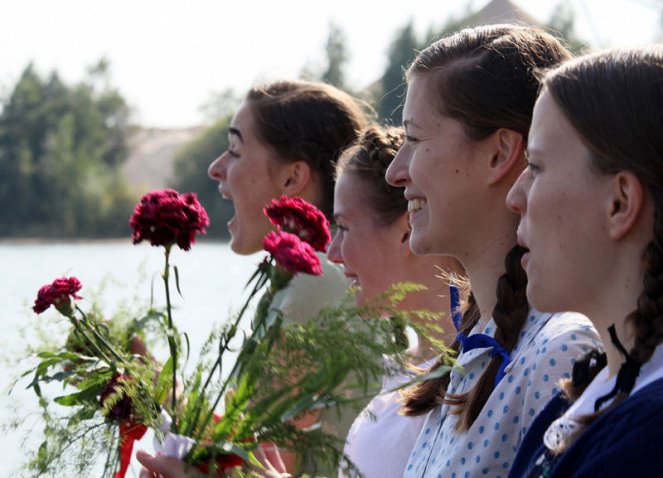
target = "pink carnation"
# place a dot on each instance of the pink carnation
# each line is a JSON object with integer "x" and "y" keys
{"x": 302, "y": 218}
{"x": 167, "y": 217}
{"x": 58, "y": 294}
{"x": 291, "y": 253}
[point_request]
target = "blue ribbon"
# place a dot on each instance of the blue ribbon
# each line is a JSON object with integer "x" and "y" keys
{"x": 477, "y": 341}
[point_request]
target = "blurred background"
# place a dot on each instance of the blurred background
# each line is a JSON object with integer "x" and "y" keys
{"x": 101, "y": 101}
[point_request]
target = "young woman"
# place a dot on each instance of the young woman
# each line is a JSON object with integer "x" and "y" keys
{"x": 371, "y": 243}
{"x": 591, "y": 206}
{"x": 466, "y": 115}
{"x": 284, "y": 140}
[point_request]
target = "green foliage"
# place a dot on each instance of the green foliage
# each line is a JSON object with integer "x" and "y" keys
{"x": 190, "y": 173}
{"x": 337, "y": 57}
{"x": 60, "y": 148}
{"x": 562, "y": 25}
{"x": 392, "y": 84}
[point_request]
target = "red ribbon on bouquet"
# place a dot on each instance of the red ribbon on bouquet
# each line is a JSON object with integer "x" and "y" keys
{"x": 223, "y": 462}
{"x": 129, "y": 433}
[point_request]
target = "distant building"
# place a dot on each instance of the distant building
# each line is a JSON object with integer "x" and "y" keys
{"x": 500, "y": 11}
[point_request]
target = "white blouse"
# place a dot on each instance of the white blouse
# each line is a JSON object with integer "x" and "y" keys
{"x": 380, "y": 439}
{"x": 545, "y": 353}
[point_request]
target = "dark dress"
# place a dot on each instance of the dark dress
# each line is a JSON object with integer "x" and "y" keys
{"x": 624, "y": 442}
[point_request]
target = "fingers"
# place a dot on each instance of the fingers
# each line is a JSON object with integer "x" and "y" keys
{"x": 160, "y": 466}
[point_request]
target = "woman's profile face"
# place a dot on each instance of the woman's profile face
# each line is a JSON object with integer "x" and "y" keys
{"x": 562, "y": 201}
{"x": 436, "y": 167}
{"x": 368, "y": 251}
{"x": 249, "y": 175}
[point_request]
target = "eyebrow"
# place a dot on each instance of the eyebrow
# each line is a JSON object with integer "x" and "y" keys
{"x": 235, "y": 132}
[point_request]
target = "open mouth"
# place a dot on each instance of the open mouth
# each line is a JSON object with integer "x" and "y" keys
{"x": 414, "y": 205}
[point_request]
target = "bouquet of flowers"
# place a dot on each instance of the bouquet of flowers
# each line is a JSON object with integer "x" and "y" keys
{"x": 279, "y": 373}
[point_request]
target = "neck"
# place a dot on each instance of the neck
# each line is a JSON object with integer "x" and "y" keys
{"x": 484, "y": 270}
{"x": 434, "y": 299}
{"x": 614, "y": 299}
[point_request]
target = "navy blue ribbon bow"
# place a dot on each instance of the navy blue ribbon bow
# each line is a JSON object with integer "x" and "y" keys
{"x": 477, "y": 341}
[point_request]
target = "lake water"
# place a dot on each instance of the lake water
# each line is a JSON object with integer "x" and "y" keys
{"x": 212, "y": 282}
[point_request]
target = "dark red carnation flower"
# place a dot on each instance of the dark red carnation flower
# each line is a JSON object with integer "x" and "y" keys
{"x": 167, "y": 217}
{"x": 302, "y": 218}
{"x": 291, "y": 253}
{"x": 58, "y": 294}
{"x": 122, "y": 408}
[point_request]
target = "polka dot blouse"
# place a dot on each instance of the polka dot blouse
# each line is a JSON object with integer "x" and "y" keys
{"x": 545, "y": 353}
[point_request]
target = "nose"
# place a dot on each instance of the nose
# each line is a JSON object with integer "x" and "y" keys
{"x": 217, "y": 169}
{"x": 516, "y": 199}
{"x": 398, "y": 171}
{"x": 334, "y": 250}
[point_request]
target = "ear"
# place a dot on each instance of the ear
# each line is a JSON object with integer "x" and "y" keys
{"x": 507, "y": 154}
{"x": 294, "y": 177}
{"x": 403, "y": 230}
{"x": 627, "y": 196}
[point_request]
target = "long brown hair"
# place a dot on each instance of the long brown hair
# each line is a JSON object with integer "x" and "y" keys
{"x": 485, "y": 79}
{"x": 313, "y": 122}
{"x": 614, "y": 100}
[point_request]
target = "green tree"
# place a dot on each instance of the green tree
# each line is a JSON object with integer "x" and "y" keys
{"x": 60, "y": 148}
{"x": 190, "y": 173}
{"x": 392, "y": 84}
{"x": 562, "y": 24}
{"x": 337, "y": 57}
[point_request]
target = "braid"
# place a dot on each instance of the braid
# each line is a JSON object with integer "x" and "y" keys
{"x": 647, "y": 321}
{"x": 510, "y": 314}
{"x": 424, "y": 396}
{"x": 648, "y": 318}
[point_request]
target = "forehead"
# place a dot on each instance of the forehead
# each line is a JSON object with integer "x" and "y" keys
{"x": 421, "y": 101}
{"x": 550, "y": 130}
{"x": 243, "y": 119}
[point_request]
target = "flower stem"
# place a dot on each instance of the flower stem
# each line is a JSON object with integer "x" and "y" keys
{"x": 171, "y": 337}
{"x": 217, "y": 364}
{"x": 95, "y": 333}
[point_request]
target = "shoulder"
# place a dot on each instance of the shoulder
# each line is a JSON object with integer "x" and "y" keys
{"x": 563, "y": 333}
{"x": 632, "y": 432}
{"x": 305, "y": 295}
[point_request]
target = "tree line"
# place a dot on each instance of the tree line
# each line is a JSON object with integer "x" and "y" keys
{"x": 62, "y": 146}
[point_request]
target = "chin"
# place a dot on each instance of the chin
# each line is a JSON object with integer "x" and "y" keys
{"x": 537, "y": 298}
{"x": 238, "y": 247}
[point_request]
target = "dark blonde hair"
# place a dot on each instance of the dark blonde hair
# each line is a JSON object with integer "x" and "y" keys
{"x": 485, "y": 79}
{"x": 312, "y": 122}
{"x": 368, "y": 159}
{"x": 614, "y": 100}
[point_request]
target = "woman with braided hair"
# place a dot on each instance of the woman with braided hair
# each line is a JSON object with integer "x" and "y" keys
{"x": 371, "y": 242}
{"x": 591, "y": 206}
{"x": 467, "y": 114}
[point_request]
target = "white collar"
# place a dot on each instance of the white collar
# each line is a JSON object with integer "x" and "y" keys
{"x": 561, "y": 429}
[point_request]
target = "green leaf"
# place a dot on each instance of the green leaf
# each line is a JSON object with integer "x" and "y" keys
{"x": 177, "y": 281}
{"x": 87, "y": 395}
{"x": 165, "y": 381}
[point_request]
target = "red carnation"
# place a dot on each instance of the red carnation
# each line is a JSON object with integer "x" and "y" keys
{"x": 291, "y": 253}
{"x": 122, "y": 407}
{"x": 58, "y": 294}
{"x": 302, "y": 218}
{"x": 167, "y": 217}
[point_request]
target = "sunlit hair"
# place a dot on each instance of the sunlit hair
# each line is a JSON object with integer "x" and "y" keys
{"x": 484, "y": 78}
{"x": 368, "y": 159}
{"x": 614, "y": 100}
{"x": 313, "y": 122}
